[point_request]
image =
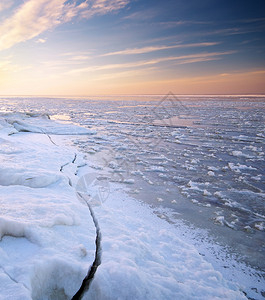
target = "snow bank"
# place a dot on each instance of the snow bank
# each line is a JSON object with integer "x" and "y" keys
{"x": 41, "y": 123}
{"x": 48, "y": 237}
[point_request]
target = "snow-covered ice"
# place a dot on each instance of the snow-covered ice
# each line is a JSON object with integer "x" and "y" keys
{"x": 42, "y": 247}
{"x": 48, "y": 236}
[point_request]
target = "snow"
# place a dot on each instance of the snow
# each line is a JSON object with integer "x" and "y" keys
{"x": 40, "y": 216}
{"x": 27, "y": 123}
{"x": 48, "y": 236}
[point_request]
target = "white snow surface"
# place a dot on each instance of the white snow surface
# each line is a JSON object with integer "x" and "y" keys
{"x": 47, "y": 236}
{"x": 39, "y": 123}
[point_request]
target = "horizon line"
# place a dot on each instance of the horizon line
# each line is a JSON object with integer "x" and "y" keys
{"x": 140, "y": 94}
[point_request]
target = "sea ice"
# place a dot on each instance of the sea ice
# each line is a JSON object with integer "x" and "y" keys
{"x": 48, "y": 235}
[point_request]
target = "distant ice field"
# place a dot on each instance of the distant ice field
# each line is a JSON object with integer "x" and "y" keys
{"x": 197, "y": 162}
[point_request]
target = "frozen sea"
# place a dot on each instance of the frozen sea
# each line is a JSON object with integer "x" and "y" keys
{"x": 195, "y": 163}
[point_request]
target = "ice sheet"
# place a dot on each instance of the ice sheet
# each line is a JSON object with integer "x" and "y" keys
{"x": 47, "y": 234}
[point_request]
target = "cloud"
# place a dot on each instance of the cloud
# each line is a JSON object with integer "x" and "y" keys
{"x": 197, "y": 57}
{"x": 102, "y": 7}
{"x": 30, "y": 20}
{"x": 143, "y": 15}
{"x": 170, "y": 24}
{"x": 35, "y": 17}
{"x": 41, "y": 41}
{"x": 157, "y": 48}
{"x": 183, "y": 59}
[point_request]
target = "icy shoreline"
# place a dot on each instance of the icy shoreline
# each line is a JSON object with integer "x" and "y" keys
{"x": 48, "y": 236}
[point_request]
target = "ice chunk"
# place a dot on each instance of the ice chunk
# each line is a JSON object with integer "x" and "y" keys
{"x": 220, "y": 220}
{"x": 206, "y": 193}
{"x": 42, "y": 124}
{"x": 129, "y": 181}
{"x": 260, "y": 226}
{"x": 240, "y": 154}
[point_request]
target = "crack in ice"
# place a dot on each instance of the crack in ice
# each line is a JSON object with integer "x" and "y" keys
{"x": 97, "y": 261}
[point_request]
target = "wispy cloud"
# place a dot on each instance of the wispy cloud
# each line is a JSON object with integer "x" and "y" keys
{"x": 184, "y": 59}
{"x": 31, "y": 19}
{"x": 198, "y": 60}
{"x": 41, "y": 41}
{"x": 157, "y": 48}
{"x": 169, "y": 24}
{"x": 102, "y": 7}
{"x": 242, "y": 27}
{"x": 249, "y": 20}
{"x": 35, "y": 17}
{"x": 143, "y": 15}
{"x": 197, "y": 57}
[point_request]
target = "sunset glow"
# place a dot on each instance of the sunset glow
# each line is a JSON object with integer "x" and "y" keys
{"x": 58, "y": 47}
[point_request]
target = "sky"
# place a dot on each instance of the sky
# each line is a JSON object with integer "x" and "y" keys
{"x": 93, "y": 47}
